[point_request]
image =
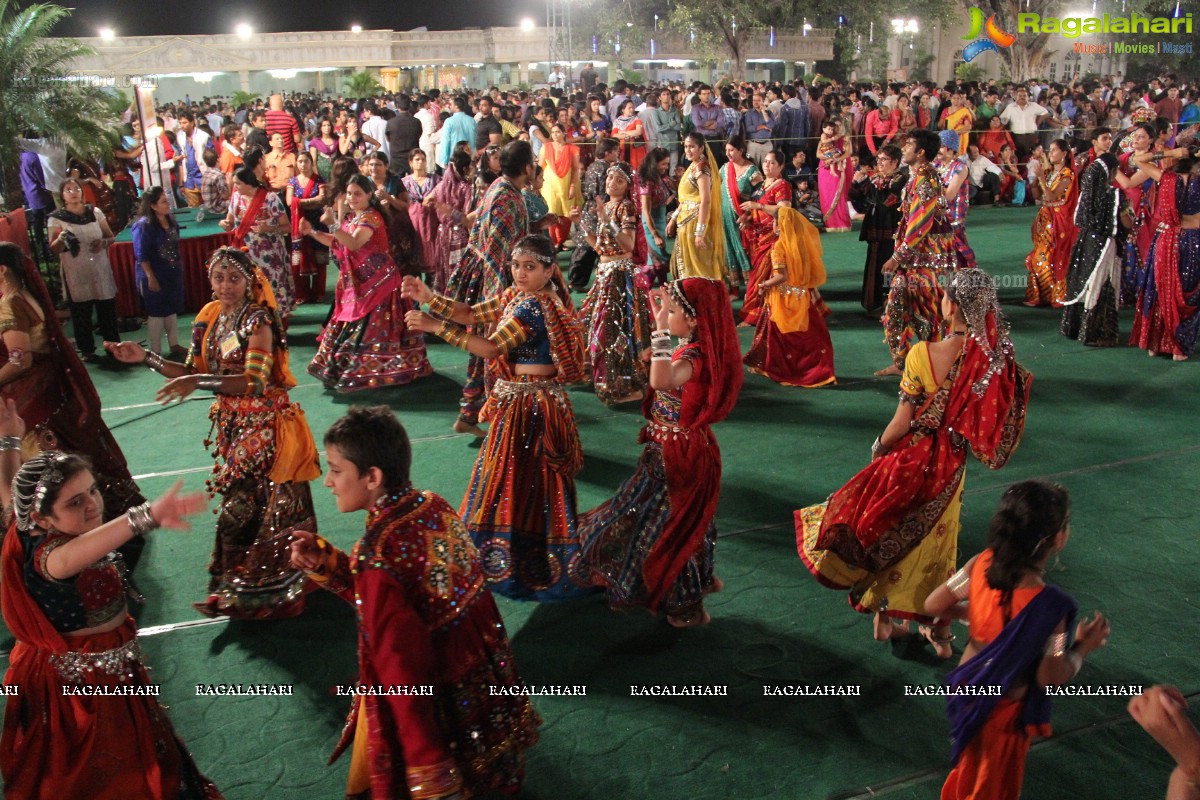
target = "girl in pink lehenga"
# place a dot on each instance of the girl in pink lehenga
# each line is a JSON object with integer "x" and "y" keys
{"x": 833, "y": 177}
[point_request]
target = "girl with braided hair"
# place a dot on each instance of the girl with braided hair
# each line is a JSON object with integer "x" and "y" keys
{"x": 264, "y": 451}
{"x": 1020, "y": 628}
{"x": 890, "y": 535}
{"x": 83, "y": 723}
{"x": 653, "y": 544}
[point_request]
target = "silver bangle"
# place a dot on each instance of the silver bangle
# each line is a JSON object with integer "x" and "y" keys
{"x": 1056, "y": 645}
{"x": 9, "y": 443}
{"x": 878, "y": 448}
{"x": 210, "y": 383}
{"x": 660, "y": 342}
{"x": 960, "y": 584}
{"x": 658, "y": 357}
{"x": 153, "y": 361}
{"x": 141, "y": 520}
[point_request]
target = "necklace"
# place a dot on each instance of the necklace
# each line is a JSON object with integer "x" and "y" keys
{"x": 227, "y": 321}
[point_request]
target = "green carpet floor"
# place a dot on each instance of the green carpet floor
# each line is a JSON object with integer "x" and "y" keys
{"x": 1115, "y": 427}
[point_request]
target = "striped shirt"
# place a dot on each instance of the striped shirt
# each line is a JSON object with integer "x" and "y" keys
{"x": 285, "y": 123}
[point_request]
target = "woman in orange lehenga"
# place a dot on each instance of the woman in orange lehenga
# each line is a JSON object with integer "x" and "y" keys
{"x": 82, "y": 722}
{"x": 890, "y": 535}
{"x": 773, "y": 194}
{"x": 792, "y": 345}
{"x": 264, "y": 451}
{"x": 1054, "y": 230}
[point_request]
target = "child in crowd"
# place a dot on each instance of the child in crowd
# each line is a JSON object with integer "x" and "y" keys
{"x": 428, "y": 721}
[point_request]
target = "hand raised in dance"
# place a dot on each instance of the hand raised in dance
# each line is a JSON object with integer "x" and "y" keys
{"x": 660, "y": 300}
{"x": 126, "y": 352}
{"x": 1091, "y": 634}
{"x": 413, "y": 288}
{"x": 172, "y": 508}
{"x": 11, "y": 423}
{"x": 420, "y": 321}
{"x": 306, "y": 551}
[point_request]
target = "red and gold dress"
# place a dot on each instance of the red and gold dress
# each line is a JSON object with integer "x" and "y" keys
{"x": 428, "y": 630}
{"x": 83, "y": 722}
{"x": 759, "y": 234}
{"x": 889, "y": 536}
{"x": 366, "y": 344}
{"x": 1054, "y": 235}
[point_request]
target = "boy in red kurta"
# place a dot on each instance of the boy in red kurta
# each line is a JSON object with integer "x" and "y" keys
{"x": 431, "y": 644}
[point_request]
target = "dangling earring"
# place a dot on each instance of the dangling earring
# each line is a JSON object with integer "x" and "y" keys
{"x": 214, "y": 295}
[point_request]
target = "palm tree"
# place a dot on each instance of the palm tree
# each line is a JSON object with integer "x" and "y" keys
{"x": 37, "y": 92}
{"x": 363, "y": 84}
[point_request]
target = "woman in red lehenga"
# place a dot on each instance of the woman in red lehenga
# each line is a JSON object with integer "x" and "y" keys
{"x": 82, "y": 722}
{"x": 792, "y": 345}
{"x": 654, "y": 543}
{"x": 890, "y": 535}
{"x": 1054, "y": 231}
{"x": 1162, "y": 305}
{"x": 759, "y": 232}
{"x": 52, "y": 389}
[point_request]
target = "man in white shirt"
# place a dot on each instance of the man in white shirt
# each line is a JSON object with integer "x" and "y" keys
{"x": 1022, "y": 118}
{"x": 428, "y": 119}
{"x": 375, "y": 126}
{"x": 982, "y": 173}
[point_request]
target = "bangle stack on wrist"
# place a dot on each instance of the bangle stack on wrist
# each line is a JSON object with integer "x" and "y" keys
{"x": 141, "y": 520}
{"x": 153, "y": 361}
{"x": 210, "y": 383}
{"x": 9, "y": 443}
{"x": 660, "y": 346}
{"x": 701, "y": 228}
{"x": 441, "y": 306}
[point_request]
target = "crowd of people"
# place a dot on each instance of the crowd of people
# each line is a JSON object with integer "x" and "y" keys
{"x": 697, "y": 210}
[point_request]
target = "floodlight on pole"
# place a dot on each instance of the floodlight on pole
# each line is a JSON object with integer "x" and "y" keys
{"x": 527, "y": 25}
{"x": 356, "y": 28}
{"x": 107, "y": 34}
{"x": 243, "y": 30}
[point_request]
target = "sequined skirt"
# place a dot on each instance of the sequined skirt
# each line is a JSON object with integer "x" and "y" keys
{"x": 520, "y": 504}
{"x": 617, "y": 536}
{"x": 616, "y": 317}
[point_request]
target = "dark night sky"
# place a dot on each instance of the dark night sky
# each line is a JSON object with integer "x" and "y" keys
{"x": 162, "y": 17}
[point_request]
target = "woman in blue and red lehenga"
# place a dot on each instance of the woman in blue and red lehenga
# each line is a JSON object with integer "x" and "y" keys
{"x": 1020, "y": 628}
{"x": 653, "y": 544}
{"x": 82, "y": 722}
{"x": 1165, "y": 316}
{"x": 520, "y": 505}
{"x": 425, "y": 619}
{"x": 1139, "y": 193}
{"x": 365, "y": 345}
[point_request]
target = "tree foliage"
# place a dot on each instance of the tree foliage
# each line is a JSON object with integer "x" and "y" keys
{"x": 37, "y": 91}
{"x": 363, "y": 84}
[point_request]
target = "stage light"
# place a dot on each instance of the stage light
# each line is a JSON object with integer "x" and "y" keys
{"x": 107, "y": 34}
{"x": 243, "y": 31}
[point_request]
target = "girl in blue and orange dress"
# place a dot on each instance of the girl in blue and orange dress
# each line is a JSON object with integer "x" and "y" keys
{"x": 366, "y": 344}
{"x": 653, "y": 544}
{"x": 520, "y": 505}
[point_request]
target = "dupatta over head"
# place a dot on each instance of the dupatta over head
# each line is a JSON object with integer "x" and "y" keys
{"x": 891, "y": 505}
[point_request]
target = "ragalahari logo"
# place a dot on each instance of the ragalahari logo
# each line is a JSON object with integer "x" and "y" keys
{"x": 993, "y": 36}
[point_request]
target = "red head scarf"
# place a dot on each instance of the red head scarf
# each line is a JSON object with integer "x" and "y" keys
{"x": 710, "y": 396}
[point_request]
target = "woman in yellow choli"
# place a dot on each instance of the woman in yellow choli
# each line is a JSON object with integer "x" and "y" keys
{"x": 700, "y": 243}
{"x": 900, "y": 590}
